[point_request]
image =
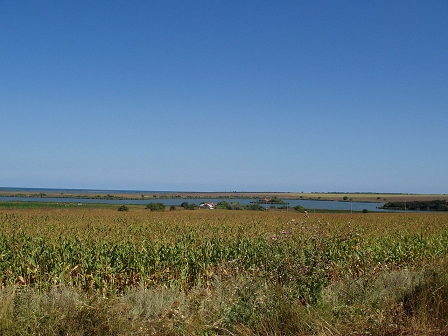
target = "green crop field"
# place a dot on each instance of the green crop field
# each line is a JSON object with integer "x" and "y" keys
{"x": 88, "y": 271}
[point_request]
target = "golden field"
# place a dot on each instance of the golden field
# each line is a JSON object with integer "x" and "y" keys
{"x": 223, "y": 271}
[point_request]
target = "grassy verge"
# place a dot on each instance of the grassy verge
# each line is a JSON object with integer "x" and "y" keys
{"x": 403, "y": 302}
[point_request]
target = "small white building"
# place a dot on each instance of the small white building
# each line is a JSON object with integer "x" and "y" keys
{"x": 208, "y": 205}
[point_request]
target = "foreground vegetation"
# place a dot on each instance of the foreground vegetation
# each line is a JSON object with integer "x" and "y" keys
{"x": 99, "y": 271}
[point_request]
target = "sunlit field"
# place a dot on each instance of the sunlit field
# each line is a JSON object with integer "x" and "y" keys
{"x": 205, "y": 272}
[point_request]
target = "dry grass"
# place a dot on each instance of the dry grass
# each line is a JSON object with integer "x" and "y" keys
{"x": 394, "y": 303}
{"x": 159, "y": 312}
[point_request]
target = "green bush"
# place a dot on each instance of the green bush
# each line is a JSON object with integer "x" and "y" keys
{"x": 222, "y": 205}
{"x": 192, "y": 206}
{"x": 156, "y": 206}
{"x": 299, "y": 208}
{"x": 254, "y": 206}
{"x": 123, "y": 208}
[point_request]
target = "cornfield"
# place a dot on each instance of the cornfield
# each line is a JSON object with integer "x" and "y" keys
{"x": 111, "y": 254}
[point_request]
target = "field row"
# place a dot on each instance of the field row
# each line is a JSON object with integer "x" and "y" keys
{"x": 110, "y": 252}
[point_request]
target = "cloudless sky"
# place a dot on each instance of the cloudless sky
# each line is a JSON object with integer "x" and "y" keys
{"x": 225, "y": 95}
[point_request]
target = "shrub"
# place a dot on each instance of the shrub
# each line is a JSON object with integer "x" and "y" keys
{"x": 156, "y": 206}
{"x": 222, "y": 205}
{"x": 192, "y": 206}
{"x": 123, "y": 208}
{"x": 299, "y": 208}
{"x": 254, "y": 206}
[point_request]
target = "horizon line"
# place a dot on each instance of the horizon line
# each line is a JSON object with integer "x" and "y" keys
{"x": 217, "y": 191}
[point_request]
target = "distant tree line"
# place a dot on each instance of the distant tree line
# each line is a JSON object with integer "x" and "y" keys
{"x": 436, "y": 205}
{"x": 252, "y": 206}
{"x": 272, "y": 200}
{"x": 220, "y": 205}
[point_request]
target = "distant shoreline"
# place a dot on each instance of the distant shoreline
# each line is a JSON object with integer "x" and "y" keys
{"x": 152, "y": 195}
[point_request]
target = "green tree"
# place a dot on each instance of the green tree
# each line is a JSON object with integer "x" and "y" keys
{"x": 235, "y": 206}
{"x": 254, "y": 206}
{"x": 192, "y": 206}
{"x": 222, "y": 205}
{"x": 156, "y": 206}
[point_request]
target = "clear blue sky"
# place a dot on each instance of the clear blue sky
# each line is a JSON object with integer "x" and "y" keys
{"x": 225, "y": 95}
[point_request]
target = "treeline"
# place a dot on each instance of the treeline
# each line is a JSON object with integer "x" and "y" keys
{"x": 435, "y": 205}
{"x": 192, "y": 206}
{"x": 220, "y": 205}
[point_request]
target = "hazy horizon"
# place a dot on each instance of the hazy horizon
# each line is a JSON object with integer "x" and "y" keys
{"x": 204, "y": 191}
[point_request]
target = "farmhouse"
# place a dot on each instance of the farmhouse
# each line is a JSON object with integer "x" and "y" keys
{"x": 208, "y": 205}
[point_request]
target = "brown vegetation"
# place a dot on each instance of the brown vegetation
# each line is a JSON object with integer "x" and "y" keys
{"x": 104, "y": 272}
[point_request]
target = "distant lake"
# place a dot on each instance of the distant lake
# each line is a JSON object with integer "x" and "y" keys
{"x": 308, "y": 204}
